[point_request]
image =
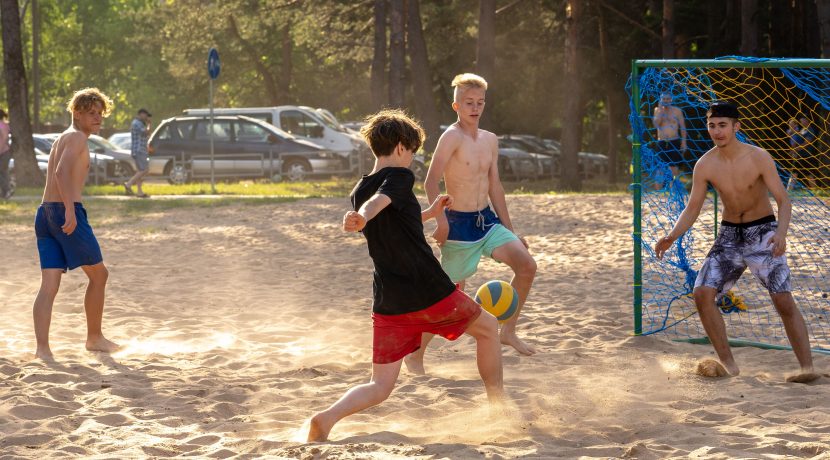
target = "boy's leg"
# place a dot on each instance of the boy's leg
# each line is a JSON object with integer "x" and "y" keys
{"x": 415, "y": 360}
{"x": 716, "y": 331}
{"x": 94, "y": 307}
{"x": 356, "y": 399}
{"x": 797, "y": 334}
{"x": 485, "y": 329}
{"x": 50, "y": 281}
{"x": 516, "y": 255}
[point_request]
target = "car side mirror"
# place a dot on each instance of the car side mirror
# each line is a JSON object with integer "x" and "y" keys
{"x": 316, "y": 131}
{"x": 272, "y": 138}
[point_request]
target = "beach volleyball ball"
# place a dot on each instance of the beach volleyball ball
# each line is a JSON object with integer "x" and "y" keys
{"x": 499, "y": 298}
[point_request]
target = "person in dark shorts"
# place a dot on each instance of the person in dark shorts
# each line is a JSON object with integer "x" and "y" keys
{"x": 671, "y": 136}
{"x": 412, "y": 294}
{"x": 744, "y": 176}
{"x": 65, "y": 240}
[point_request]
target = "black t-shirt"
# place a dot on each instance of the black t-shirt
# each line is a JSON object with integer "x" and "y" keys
{"x": 407, "y": 275}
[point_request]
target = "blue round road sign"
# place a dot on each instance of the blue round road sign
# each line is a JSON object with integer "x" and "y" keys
{"x": 213, "y": 63}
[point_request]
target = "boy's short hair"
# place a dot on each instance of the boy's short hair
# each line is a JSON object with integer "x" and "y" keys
{"x": 465, "y": 81}
{"x": 724, "y": 109}
{"x": 83, "y": 99}
{"x": 388, "y": 128}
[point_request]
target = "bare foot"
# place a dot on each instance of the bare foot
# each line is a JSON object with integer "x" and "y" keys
{"x": 510, "y": 338}
{"x": 804, "y": 377}
{"x": 317, "y": 431}
{"x": 712, "y": 368}
{"x": 414, "y": 364}
{"x": 44, "y": 354}
{"x": 101, "y": 344}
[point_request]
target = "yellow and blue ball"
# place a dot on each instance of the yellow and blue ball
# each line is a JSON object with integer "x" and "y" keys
{"x": 499, "y": 298}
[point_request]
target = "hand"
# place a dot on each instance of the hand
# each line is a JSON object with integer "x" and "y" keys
{"x": 69, "y": 221}
{"x": 663, "y": 244}
{"x": 437, "y": 207}
{"x": 779, "y": 244}
{"x": 353, "y": 222}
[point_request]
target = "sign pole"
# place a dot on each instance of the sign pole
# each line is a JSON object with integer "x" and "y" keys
{"x": 213, "y": 72}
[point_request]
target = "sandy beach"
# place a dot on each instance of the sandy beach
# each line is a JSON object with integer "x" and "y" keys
{"x": 239, "y": 322}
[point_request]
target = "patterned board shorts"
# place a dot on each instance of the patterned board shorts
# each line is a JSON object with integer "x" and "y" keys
{"x": 739, "y": 246}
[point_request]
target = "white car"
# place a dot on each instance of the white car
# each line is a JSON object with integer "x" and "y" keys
{"x": 121, "y": 140}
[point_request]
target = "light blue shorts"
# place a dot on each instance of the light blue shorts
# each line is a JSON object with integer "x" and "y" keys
{"x": 472, "y": 234}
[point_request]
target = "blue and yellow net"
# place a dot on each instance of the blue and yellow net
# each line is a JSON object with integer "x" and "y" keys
{"x": 785, "y": 110}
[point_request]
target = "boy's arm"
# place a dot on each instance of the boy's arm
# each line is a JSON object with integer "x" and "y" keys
{"x": 64, "y": 171}
{"x": 436, "y": 209}
{"x": 690, "y": 213}
{"x": 354, "y": 221}
{"x": 447, "y": 145}
{"x": 496, "y": 189}
{"x": 776, "y": 187}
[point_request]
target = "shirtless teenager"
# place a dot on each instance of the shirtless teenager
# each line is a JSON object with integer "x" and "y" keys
{"x": 64, "y": 237}
{"x": 744, "y": 176}
{"x": 466, "y": 159}
{"x": 671, "y": 134}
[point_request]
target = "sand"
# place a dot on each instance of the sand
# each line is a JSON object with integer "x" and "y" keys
{"x": 239, "y": 322}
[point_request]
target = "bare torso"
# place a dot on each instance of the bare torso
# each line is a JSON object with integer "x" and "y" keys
{"x": 467, "y": 174}
{"x": 667, "y": 121}
{"x": 76, "y": 164}
{"x": 739, "y": 183}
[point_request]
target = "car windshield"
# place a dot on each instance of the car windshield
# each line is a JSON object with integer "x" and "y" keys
{"x": 325, "y": 117}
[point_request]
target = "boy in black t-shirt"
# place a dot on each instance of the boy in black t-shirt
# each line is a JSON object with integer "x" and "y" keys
{"x": 412, "y": 294}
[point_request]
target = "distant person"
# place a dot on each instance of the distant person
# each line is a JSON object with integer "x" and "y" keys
{"x": 139, "y": 133}
{"x": 744, "y": 176}
{"x": 466, "y": 159}
{"x": 671, "y": 134}
{"x": 6, "y": 190}
{"x": 64, "y": 237}
{"x": 412, "y": 294}
{"x": 804, "y": 153}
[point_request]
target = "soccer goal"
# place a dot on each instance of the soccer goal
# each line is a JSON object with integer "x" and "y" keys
{"x": 785, "y": 109}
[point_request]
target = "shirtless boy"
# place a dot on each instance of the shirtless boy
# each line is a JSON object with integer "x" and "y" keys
{"x": 64, "y": 237}
{"x": 671, "y": 133}
{"x": 466, "y": 159}
{"x": 744, "y": 176}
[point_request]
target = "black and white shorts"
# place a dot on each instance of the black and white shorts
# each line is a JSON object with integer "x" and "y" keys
{"x": 739, "y": 246}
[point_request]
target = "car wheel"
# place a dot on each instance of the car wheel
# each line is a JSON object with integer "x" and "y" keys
{"x": 296, "y": 169}
{"x": 122, "y": 170}
{"x": 177, "y": 174}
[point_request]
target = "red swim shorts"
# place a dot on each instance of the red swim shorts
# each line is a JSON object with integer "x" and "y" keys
{"x": 396, "y": 336}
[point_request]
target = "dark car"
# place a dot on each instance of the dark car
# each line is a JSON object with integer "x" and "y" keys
{"x": 516, "y": 164}
{"x": 242, "y": 146}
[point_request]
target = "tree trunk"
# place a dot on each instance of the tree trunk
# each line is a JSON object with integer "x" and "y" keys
{"x": 36, "y": 65}
{"x": 749, "y": 27}
{"x": 26, "y": 170}
{"x": 779, "y": 29}
{"x": 286, "y": 64}
{"x": 823, "y": 7}
{"x": 611, "y": 86}
{"x": 486, "y": 51}
{"x": 486, "y": 46}
{"x": 572, "y": 120}
{"x": 668, "y": 29}
{"x": 397, "y": 53}
{"x": 421, "y": 75}
{"x": 378, "y": 78}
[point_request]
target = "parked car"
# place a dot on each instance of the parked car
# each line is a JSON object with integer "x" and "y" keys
{"x": 548, "y": 159}
{"x": 103, "y": 167}
{"x": 122, "y": 140}
{"x": 124, "y": 166}
{"x": 591, "y": 164}
{"x": 313, "y": 125}
{"x": 243, "y": 147}
{"x": 515, "y": 164}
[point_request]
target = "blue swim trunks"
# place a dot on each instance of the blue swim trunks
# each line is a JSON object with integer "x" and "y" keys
{"x": 472, "y": 234}
{"x": 59, "y": 250}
